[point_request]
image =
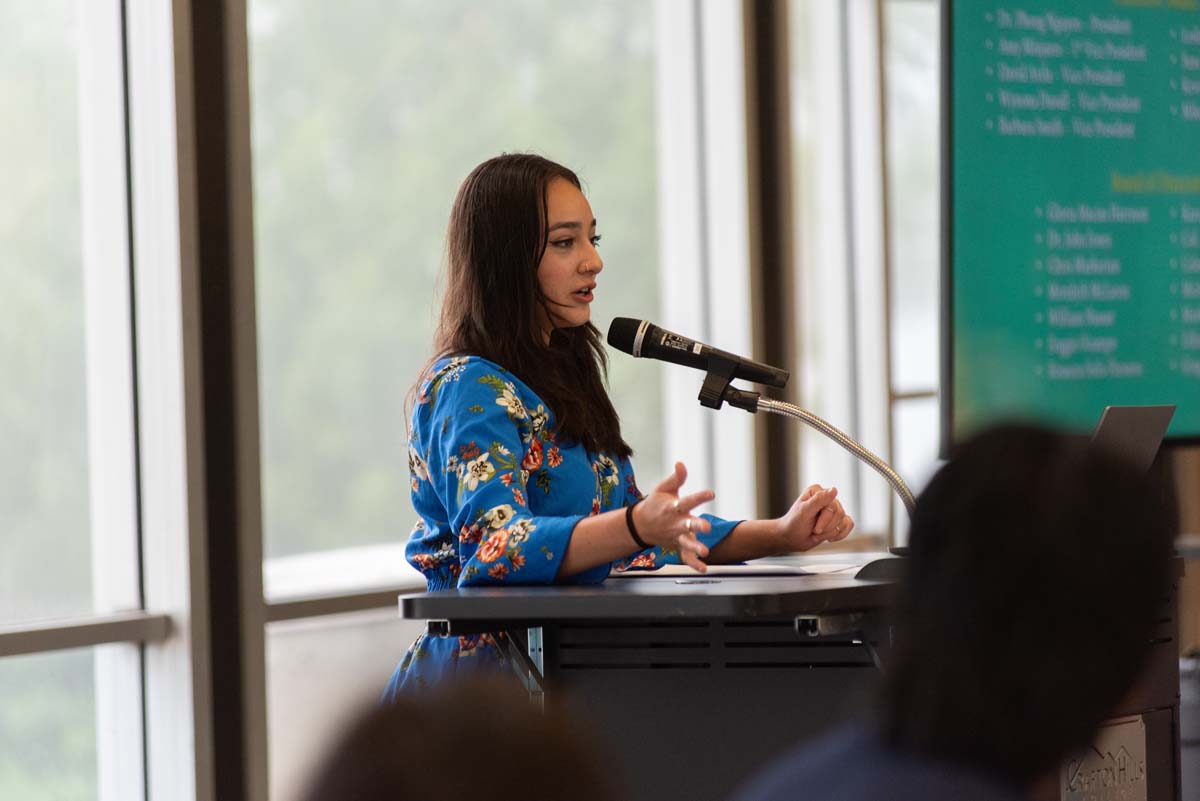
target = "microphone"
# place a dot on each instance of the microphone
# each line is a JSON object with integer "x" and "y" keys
{"x": 641, "y": 338}
{"x": 644, "y": 339}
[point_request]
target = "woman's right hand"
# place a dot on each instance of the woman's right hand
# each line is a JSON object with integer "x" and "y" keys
{"x": 665, "y": 518}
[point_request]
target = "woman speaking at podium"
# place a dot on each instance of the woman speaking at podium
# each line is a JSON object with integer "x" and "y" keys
{"x": 519, "y": 472}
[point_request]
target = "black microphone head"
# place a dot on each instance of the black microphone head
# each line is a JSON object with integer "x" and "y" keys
{"x": 622, "y": 333}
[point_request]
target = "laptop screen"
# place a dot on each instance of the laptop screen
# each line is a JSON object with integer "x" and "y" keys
{"x": 1133, "y": 432}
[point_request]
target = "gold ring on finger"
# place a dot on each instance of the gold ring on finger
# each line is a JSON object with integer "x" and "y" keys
{"x": 688, "y": 524}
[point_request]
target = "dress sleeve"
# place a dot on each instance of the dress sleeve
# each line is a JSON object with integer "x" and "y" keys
{"x": 480, "y": 433}
{"x": 656, "y": 557}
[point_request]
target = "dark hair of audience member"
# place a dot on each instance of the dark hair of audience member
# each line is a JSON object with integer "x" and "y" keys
{"x": 1038, "y": 570}
{"x": 467, "y": 741}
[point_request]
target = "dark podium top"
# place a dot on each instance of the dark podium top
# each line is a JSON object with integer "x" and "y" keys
{"x": 648, "y": 595}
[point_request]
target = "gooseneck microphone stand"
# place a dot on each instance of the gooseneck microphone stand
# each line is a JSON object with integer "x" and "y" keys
{"x": 717, "y": 390}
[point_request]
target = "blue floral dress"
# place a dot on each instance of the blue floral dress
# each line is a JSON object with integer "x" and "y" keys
{"x": 498, "y": 495}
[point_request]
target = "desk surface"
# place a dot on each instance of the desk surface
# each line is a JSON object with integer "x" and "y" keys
{"x": 654, "y": 597}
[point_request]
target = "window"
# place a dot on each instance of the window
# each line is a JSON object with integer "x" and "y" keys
{"x": 842, "y": 367}
{"x": 364, "y": 124}
{"x": 48, "y": 726}
{"x": 865, "y": 134}
{"x": 70, "y": 598}
{"x": 74, "y": 636}
{"x": 911, "y": 81}
{"x": 45, "y": 544}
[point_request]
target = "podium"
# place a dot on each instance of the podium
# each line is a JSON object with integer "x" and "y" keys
{"x": 695, "y": 683}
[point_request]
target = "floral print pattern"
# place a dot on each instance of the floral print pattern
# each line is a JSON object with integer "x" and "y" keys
{"x": 498, "y": 495}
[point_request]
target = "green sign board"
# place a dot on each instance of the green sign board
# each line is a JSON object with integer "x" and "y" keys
{"x": 1073, "y": 210}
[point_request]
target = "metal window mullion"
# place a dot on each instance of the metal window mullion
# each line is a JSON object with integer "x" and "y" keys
{"x": 61, "y": 635}
{"x": 116, "y": 579}
{"x": 108, "y": 333}
{"x": 279, "y": 610}
{"x": 219, "y": 61}
{"x": 178, "y": 691}
{"x": 771, "y": 241}
{"x": 704, "y": 223}
{"x": 885, "y": 193}
{"x": 680, "y": 215}
{"x": 852, "y": 425}
{"x": 897, "y": 396}
{"x": 703, "y": 191}
{"x": 864, "y": 134}
{"x": 725, "y": 230}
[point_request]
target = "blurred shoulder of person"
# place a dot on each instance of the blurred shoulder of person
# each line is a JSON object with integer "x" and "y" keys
{"x": 1038, "y": 569}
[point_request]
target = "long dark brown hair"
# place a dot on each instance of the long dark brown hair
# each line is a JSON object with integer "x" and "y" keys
{"x": 493, "y": 305}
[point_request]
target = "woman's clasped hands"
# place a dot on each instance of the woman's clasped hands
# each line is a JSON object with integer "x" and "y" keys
{"x": 816, "y": 516}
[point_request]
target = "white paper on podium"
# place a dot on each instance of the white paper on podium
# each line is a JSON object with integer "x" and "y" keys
{"x": 746, "y": 570}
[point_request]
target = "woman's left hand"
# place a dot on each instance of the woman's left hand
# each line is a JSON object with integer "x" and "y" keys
{"x": 817, "y": 516}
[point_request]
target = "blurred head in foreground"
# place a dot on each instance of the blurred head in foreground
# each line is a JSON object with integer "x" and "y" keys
{"x": 1038, "y": 569}
{"x": 482, "y": 741}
